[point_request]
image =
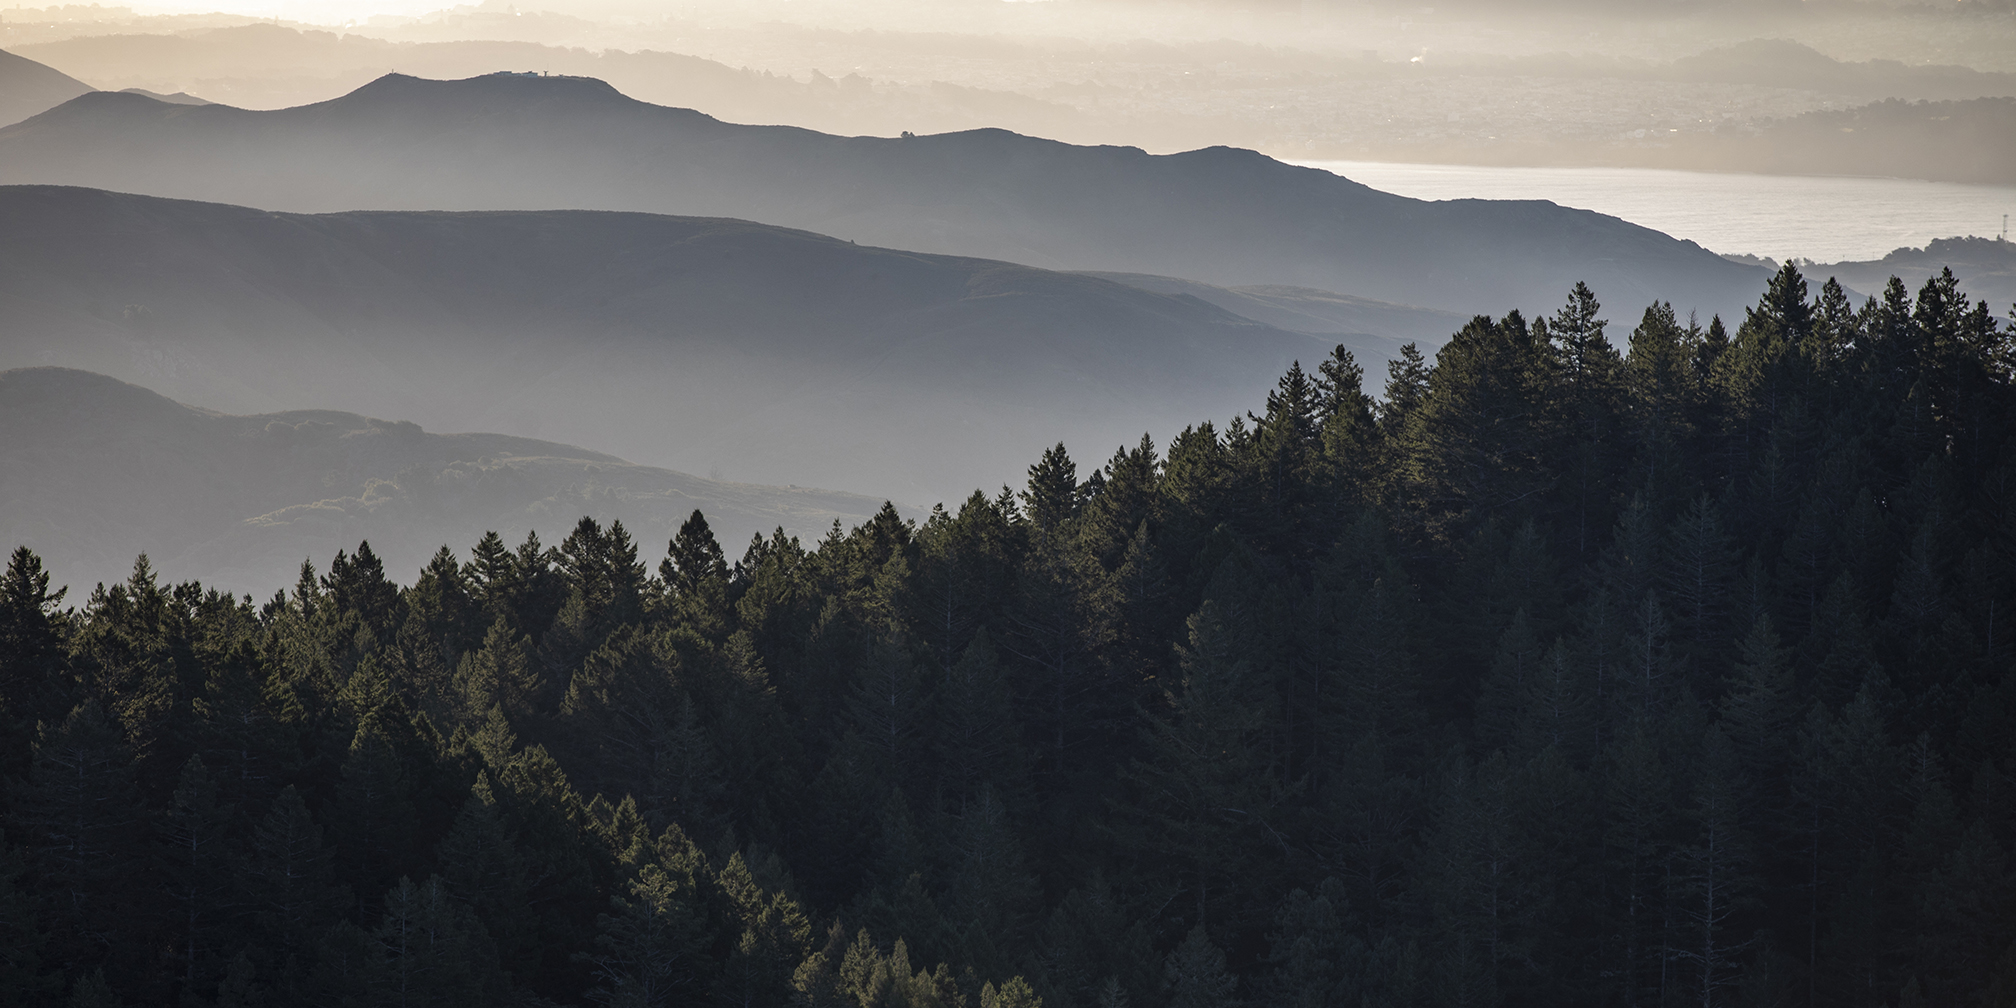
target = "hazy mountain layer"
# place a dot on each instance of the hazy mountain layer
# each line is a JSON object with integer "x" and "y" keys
{"x": 1219, "y": 215}
{"x": 94, "y": 471}
{"x": 28, "y": 88}
{"x": 1373, "y": 330}
{"x": 1349, "y": 96}
{"x": 704, "y": 344}
{"x": 1947, "y": 141}
{"x": 267, "y": 66}
{"x": 1986, "y": 269}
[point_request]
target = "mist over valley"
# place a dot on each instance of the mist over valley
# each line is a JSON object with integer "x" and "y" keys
{"x": 96, "y": 471}
{"x": 702, "y": 344}
{"x": 983, "y": 504}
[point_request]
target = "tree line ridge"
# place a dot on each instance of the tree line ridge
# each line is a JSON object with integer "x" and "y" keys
{"x": 1562, "y": 672}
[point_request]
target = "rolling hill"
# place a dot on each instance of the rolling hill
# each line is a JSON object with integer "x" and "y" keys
{"x": 1985, "y": 267}
{"x": 94, "y": 471}
{"x": 28, "y": 88}
{"x": 1219, "y": 215}
{"x": 708, "y": 345}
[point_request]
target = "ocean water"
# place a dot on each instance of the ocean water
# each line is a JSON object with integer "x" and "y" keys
{"x": 1822, "y": 218}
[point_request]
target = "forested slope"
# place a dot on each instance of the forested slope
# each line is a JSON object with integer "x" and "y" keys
{"x": 1674, "y": 669}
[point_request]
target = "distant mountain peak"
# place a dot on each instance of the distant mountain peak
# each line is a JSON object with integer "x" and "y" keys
{"x": 28, "y": 88}
{"x": 1223, "y": 215}
{"x": 512, "y": 85}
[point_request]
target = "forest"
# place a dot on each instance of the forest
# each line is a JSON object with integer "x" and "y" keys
{"x": 1573, "y": 667}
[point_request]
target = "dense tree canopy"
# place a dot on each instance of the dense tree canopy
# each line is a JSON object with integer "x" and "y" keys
{"x": 1564, "y": 672}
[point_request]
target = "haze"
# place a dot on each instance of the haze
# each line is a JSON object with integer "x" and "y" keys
{"x": 981, "y": 504}
{"x": 1551, "y": 83}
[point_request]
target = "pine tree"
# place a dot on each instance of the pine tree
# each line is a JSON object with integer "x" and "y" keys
{"x": 375, "y": 814}
{"x": 289, "y": 882}
{"x": 200, "y": 861}
{"x": 79, "y": 821}
{"x": 991, "y": 897}
{"x": 1202, "y": 786}
{"x": 976, "y": 742}
{"x": 1125, "y": 499}
{"x": 772, "y": 937}
{"x": 1637, "y": 817}
{"x": 240, "y": 987}
{"x": 885, "y": 708}
{"x": 864, "y": 975}
{"x": 1052, "y": 497}
{"x": 92, "y": 991}
{"x": 502, "y": 674}
{"x": 432, "y": 951}
{"x": 648, "y": 951}
{"x": 1479, "y": 444}
{"x": 1664, "y": 398}
{"x": 1196, "y": 976}
{"x": 1759, "y": 712}
{"x": 24, "y": 980}
{"x": 485, "y": 868}
{"x": 31, "y": 658}
{"x": 695, "y": 573}
{"x": 1698, "y": 565}
{"x": 1714, "y": 872}
{"x": 1316, "y": 961}
{"x": 1504, "y": 688}
{"x": 1406, "y": 386}
{"x": 1646, "y": 668}
{"x": 1093, "y": 944}
{"x": 1013, "y": 993}
{"x": 1587, "y": 379}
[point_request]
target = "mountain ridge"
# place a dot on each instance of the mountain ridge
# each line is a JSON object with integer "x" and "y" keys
{"x": 692, "y": 343}
{"x": 96, "y": 470}
{"x": 28, "y": 88}
{"x": 1220, "y": 215}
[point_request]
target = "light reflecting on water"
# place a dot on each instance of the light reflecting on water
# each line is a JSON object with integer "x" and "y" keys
{"x": 1823, "y": 218}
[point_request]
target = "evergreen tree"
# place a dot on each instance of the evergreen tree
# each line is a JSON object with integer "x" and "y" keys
{"x": 289, "y": 882}
{"x": 648, "y": 950}
{"x": 1697, "y": 570}
{"x": 24, "y": 978}
{"x": 200, "y": 861}
{"x": 1478, "y": 444}
{"x": 1196, "y": 974}
{"x": 31, "y": 652}
{"x": 1316, "y": 961}
{"x": 79, "y": 820}
{"x": 502, "y": 674}
{"x": 1052, "y": 497}
{"x": 1340, "y": 703}
{"x": 1713, "y": 872}
{"x": 432, "y": 951}
{"x": 1203, "y": 788}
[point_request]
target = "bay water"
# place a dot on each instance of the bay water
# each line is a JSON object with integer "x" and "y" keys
{"x": 1822, "y": 218}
